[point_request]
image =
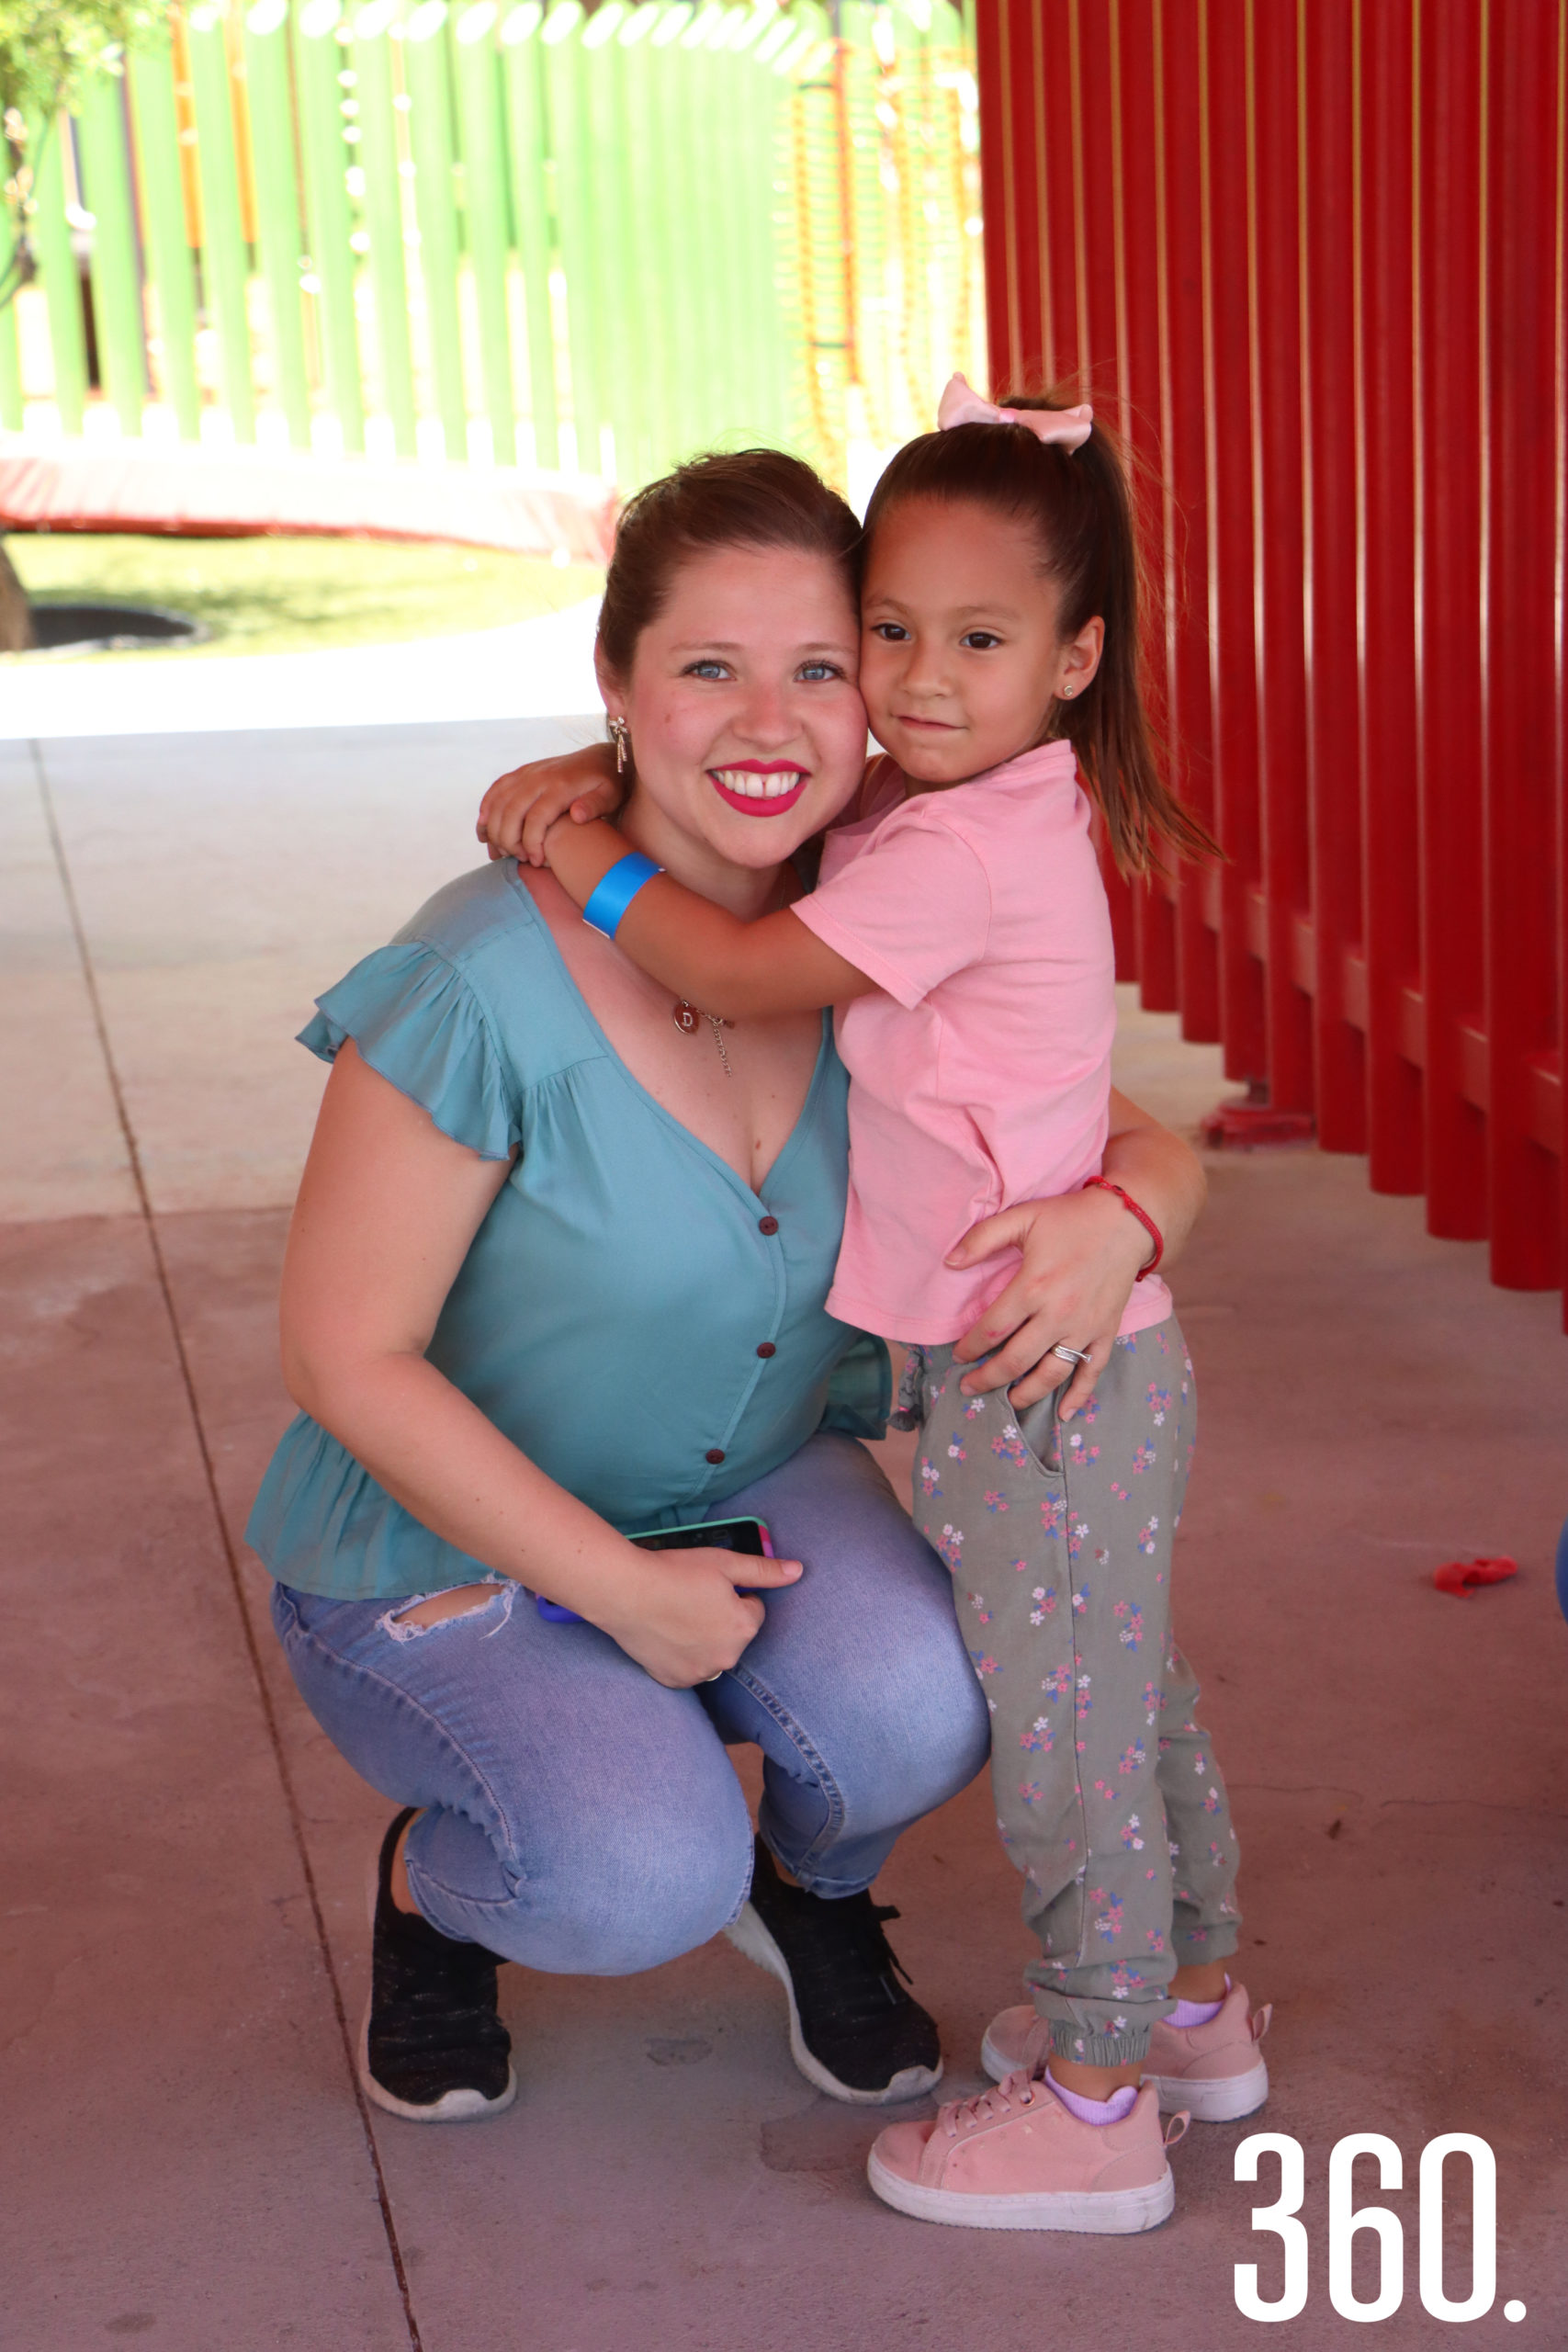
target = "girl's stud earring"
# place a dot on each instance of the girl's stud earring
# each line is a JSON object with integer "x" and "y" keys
{"x": 621, "y": 736}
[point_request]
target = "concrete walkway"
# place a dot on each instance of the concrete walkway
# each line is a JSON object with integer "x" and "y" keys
{"x": 184, "y": 2159}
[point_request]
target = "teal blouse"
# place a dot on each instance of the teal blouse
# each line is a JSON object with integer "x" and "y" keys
{"x": 645, "y": 1326}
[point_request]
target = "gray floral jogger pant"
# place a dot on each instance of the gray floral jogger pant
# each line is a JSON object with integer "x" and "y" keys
{"x": 1107, "y": 1796}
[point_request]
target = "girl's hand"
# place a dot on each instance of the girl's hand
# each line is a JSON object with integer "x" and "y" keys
{"x": 520, "y": 807}
{"x": 686, "y": 1622}
{"x": 1081, "y": 1257}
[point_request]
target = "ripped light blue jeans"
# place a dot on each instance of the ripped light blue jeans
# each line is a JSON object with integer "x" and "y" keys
{"x": 581, "y": 1819}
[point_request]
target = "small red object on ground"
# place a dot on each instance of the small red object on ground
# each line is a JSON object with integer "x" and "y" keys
{"x": 1242, "y": 1126}
{"x": 1460, "y": 1576}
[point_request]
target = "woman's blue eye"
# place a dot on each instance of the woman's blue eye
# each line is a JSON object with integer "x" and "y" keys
{"x": 706, "y": 670}
{"x": 813, "y": 671}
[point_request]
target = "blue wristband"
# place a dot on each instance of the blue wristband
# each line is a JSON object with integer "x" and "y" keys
{"x": 615, "y": 892}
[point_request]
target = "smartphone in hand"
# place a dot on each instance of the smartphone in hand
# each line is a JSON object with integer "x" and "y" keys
{"x": 709, "y": 1534}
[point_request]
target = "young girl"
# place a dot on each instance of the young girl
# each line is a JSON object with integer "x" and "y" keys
{"x": 961, "y": 926}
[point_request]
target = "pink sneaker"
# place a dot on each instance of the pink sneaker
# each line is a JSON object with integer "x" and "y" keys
{"x": 1214, "y": 2071}
{"x": 1015, "y": 2159}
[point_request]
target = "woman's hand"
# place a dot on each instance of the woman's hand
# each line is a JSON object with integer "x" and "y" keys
{"x": 520, "y": 807}
{"x": 1081, "y": 1256}
{"x": 684, "y": 1622}
{"x": 1082, "y": 1253}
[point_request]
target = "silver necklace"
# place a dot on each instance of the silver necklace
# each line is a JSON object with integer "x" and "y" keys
{"x": 686, "y": 1017}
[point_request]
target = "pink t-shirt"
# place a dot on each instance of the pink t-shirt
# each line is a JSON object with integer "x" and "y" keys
{"x": 981, "y": 1067}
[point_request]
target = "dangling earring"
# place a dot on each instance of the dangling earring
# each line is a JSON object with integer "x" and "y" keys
{"x": 621, "y": 736}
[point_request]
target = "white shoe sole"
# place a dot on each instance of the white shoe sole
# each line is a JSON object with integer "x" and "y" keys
{"x": 748, "y": 1934}
{"x": 1224, "y": 2099}
{"x": 1106, "y": 2213}
{"x": 452, "y": 2107}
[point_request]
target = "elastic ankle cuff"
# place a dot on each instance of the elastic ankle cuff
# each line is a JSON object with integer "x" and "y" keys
{"x": 1081, "y": 2048}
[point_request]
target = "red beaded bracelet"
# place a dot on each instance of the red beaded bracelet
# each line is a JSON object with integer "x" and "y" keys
{"x": 1103, "y": 1185}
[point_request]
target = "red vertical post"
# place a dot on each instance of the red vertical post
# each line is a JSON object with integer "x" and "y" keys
{"x": 1274, "y": 374}
{"x": 1560, "y": 408}
{"x": 1177, "y": 63}
{"x": 1008, "y": 201}
{"x": 1327, "y": 31}
{"x": 1520, "y": 718}
{"x": 1451, "y": 80}
{"x": 1387, "y": 517}
{"x": 1224, "y": 103}
{"x": 1135, "y": 132}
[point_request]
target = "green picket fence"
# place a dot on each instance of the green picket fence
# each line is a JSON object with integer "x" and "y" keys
{"x": 608, "y": 238}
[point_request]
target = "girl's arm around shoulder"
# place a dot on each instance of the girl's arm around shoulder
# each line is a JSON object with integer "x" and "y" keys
{"x": 700, "y": 951}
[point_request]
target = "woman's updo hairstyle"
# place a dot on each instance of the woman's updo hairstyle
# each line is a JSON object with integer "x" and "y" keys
{"x": 750, "y": 498}
{"x": 1078, "y": 507}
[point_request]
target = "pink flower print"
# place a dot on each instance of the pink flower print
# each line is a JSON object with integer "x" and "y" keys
{"x": 1144, "y": 1459}
{"x": 1079, "y": 1745}
{"x": 1121, "y": 1493}
{"x": 1130, "y": 1838}
{"x": 1080, "y": 1600}
{"x": 1159, "y": 1403}
{"x": 1058, "y": 1683}
{"x": 1163, "y": 1746}
{"x": 1201, "y": 1764}
{"x": 1132, "y": 1758}
{"x": 1198, "y": 1935}
{"x": 1125, "y": 1339}
{"x": 1041, "y": 1738}
{"x": 955, "y": 1452}
{"x": 1085, "y": 1705}
{"x": 930, "y": 1477}
{"x": 1217, "y": 1857}
{"x": 1076, "y": 1538}
{"x": 1084, "y": 1456}
{"x": 1019, "y": 1566}
{"x": 950, "y": 1546}
{"x": 1125, "y": 1980}
{"x": 1103, "y": 1789}
{"x": 1154, "y": 1698}
{"x": 1162, "y": 1343}
{"x": 1044, "y": 1596}
{"x": 1154, "y": 1940}
{"x": 1090, "y": 1413}
{"x": 1147, "y": 1537}
{"x": 1031, "y": 1792}
{"x": 975, "y": 1408}
{"x": 1212, "y": 1801}
{"x": 1109, "y": 1922}
{"x": 977, "y": 1603}
{"x": 1009, "y": 1447}
{"x": 1053, "y": 1514}
{"x": 984, "y": 1665}
{"x": 995, "y": 1500}
{"x": 1132, "y": 1634}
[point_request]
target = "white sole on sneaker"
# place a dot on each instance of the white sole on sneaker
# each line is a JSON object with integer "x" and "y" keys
{"x": 452, "y": 2107}
{"x": 748, "y": 1934}
{"x": 1106, "y": 2213}
{"x": 1226, "y": 2100}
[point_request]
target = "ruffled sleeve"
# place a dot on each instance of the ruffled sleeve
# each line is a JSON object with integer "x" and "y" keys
{"x": 418, "y": 1021}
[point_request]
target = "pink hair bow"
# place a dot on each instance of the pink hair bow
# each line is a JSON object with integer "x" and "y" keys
{"x": 962, "y": 404}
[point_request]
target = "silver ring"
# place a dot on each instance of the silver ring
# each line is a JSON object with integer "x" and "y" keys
{"x": 1070, "y": 1356}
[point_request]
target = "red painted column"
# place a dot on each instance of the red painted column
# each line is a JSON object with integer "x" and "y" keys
{"x": 1327, "y": 29}
{"x": 1136, "y": 127}
{"x": 1386, "y": 385}
{"x": 1274, "y": 380}
{"x": 1520, "y": 718}
{"x": 1451, "y": 650}
{"x": 1183, "y": 440}
{"x": 1224, "y": 104}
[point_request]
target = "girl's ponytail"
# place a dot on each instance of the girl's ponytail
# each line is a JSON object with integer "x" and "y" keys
{"x": 1079, "y": 507}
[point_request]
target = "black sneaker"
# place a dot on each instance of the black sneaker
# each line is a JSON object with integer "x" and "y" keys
{"x": 854, "y": 2031}
{"x": 433, "y": 2049}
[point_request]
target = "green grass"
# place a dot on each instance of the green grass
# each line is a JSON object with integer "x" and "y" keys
{"x": 278, "y": 595}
